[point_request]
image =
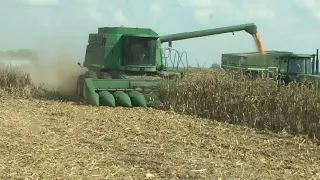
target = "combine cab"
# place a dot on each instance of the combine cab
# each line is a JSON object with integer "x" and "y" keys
{"x": 127, "y": 65}
{"x": 302, "y": 68}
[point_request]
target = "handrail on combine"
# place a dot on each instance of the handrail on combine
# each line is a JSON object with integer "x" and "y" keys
{"x": 175, "y": 59}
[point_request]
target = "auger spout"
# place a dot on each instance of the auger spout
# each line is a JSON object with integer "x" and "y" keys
{"x": 250, "y": 28}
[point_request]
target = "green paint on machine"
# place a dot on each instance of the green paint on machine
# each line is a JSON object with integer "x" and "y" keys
{"x": 122, "y": 99}
{"x": 127, "y": 65}
{"x": 138, "y": 99}
{"x": 107, "y": 99}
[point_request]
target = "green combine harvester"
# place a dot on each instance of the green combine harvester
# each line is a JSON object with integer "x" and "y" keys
{"x": 285, "y": 66}
{"x": 127, "y": 65}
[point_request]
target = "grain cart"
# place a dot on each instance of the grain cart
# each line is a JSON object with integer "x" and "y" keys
{"x": 286, "y": 66}
{"x": 126, "y": 65}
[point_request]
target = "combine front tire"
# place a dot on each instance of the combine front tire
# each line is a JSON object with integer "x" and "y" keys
{"x": 105, "y": 75}
{"x": 91, "y": 74}
{"x": 80, "y": 83}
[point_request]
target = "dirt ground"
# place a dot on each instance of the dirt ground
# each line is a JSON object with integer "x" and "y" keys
{"x": 63, "y": 140}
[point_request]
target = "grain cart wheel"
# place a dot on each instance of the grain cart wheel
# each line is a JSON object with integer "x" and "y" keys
{"x": 91, "y": 74}
{"x": 80, "y": 83}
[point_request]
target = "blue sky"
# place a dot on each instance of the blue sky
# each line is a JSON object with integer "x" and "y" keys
{"x": 53, "y": 26}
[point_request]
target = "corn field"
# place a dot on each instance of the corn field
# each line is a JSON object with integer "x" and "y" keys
{"x": 238, "y": 99}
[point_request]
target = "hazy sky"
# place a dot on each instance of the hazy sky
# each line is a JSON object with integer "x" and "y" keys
{"x": 291, "y": 25}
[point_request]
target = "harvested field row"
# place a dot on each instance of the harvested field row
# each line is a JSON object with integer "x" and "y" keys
{"x": 50, "y": 140}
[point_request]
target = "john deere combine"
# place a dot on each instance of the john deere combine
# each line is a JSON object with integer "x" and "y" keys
{"x": 126, "y": 65}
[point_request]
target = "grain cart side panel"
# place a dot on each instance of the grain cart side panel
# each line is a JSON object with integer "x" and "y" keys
{"x": 233, "y": 62}
{"x": 252, "y": 61}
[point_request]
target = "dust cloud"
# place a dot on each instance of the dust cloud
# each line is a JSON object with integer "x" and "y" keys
{"x": 57, "y": 69}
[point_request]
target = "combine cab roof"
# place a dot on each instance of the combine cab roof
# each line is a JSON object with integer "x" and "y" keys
{"x": 129, "y": 31}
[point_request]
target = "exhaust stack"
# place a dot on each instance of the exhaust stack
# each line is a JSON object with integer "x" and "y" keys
{"x": 317, "y": 62}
